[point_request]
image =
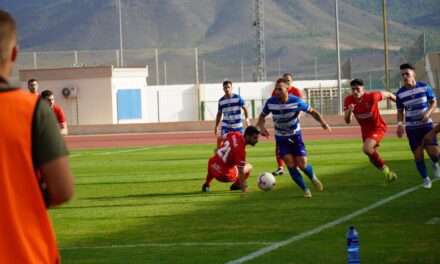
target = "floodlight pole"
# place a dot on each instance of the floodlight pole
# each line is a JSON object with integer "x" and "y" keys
{"x": 120, "y": 34}
{"x": 385, "y": 47}
{"x": 338, "y": 57}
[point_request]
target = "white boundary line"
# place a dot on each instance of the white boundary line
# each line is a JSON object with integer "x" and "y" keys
{"x": 189, "y": 244}
{"x": 116, "y": 151}
{"x": 318, "y": 229}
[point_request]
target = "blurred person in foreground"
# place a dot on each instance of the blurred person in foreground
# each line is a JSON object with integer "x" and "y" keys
{"x": 29, "y": 142}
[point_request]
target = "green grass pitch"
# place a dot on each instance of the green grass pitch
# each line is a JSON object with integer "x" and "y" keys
{"x": 150, "y": 202}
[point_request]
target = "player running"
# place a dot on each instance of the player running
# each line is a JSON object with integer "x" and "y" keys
{"x": 285, "y": 109}
{"x": 296, "y": 92}
{"x": 229, "y": 162}
{"x": 373, "y": 127}
{"x": 417, "y": 101}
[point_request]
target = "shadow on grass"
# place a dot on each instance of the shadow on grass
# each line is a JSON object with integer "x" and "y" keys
{"x": 221, "y": 216}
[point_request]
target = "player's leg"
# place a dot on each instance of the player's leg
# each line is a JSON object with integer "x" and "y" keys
{"x": 247, "y": 172}
{"x": 300, "y": 155}
{"x": 415, "y": 139}
{"x": 280, "y": 169}
{"x": 369, "y": 148}
{"x": 433, "y": 153}
{"x": 295, "y": 174}
{"x": 214, "y": 171}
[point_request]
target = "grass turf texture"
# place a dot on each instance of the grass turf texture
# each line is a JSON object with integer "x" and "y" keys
{"x": 154, "y": 196}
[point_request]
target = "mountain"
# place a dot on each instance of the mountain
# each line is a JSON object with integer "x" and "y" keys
{"x": 296, "y": 31}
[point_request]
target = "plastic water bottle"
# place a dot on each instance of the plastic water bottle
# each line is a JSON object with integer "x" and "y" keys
{"x": 353, "y": 246}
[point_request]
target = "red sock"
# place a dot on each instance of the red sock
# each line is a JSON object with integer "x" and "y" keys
{"x": 279, "y": 159}
{"x": 209, "y": 179}
{"x": 377, "y": 160}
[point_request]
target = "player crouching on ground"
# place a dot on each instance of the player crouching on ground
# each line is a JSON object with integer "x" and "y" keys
{"x": 229, "y": 162}
{"x": 373, "y": 127}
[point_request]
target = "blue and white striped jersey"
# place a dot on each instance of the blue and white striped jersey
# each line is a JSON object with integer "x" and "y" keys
{"x": 415, "y": 102}
{"x": 285, "y": 116}
{"x": 231, "y": 110}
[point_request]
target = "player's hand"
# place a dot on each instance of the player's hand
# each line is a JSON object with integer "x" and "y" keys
{"x": 425, "y": 118}
{"x": 400, "y": 131}
{"x": 326, "y": 127}
{"x": 350, "y": 107}
{"x": 216, "y": 131}
{"x": 264, "y": 132}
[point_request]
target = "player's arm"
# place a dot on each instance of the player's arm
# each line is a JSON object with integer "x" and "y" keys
{"x": 63, "y": 129}
{"x": 400, "y": 127}
{"x": 242, "y": 179}
{"x": 317, "y": 116}
{"x": 348, "y": 113}
{"x": 217, "y": 122}
{"x": 432, "y": 106}
{"x": 58, "y": 179}
{"x": 388, "y": 96}
{"x": 50, "y": 157}
{"x": 220, "y": 140}
{"x": 261, "y": 124}
{"x": 246, "y": 115}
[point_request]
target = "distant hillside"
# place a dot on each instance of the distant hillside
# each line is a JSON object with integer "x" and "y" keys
{"x": 296, "y": 30}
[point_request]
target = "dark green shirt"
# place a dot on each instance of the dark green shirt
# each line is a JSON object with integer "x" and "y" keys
{"x": 47, "y": 142}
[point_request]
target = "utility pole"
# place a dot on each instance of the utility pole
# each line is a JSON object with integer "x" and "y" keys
{"x": 385, "y": 46}
{"x": 258, "y": 22}
{"x": 120, "y": 34}
{"x": 338, "y": 57}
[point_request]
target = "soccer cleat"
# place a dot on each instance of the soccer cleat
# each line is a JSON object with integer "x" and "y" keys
{"x": 318, "y": 185}
{"x": 436, "y": 169}
{"x": 427, "y": 183}
{"x": 205, "y": 188}
{"x": 307, "y": 194}
{"x": 390, "y": 175}
{"x": 278, "y": 172}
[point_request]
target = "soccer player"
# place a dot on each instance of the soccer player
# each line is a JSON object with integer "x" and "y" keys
{"x": 229, "y": 162}
{"x": 48, "y": 96}
{"x": 33, "y": 86}
{"x": 285, "y": 109}
{"x": 296, "y": 92}
{"x": 417, "y": 101}
{"x": 373, "y": 127}
{"x": 230, "y": 106}
{"x": 29, "y": 141}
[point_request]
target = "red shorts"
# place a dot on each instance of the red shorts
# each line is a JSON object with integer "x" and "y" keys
{"x": 221, "y": 173}
{"x": 376, "y": 135}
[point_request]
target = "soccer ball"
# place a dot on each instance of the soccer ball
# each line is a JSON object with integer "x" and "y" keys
{"x": 266, "y": 181}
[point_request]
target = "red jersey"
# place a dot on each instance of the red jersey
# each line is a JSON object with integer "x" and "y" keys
{"x": 366, "y": 111}
{"x": 293, "y": 91}
{"x": 232, "y": 152}
{"x": 59, "y": 113}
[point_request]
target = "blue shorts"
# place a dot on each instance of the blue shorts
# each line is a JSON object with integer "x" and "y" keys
{"x": 415, "y": 136}
{"x": 227, "y": 130}
{"x": 292, "y": 145}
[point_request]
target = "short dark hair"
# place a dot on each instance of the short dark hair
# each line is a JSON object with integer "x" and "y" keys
{"x": 407, "y": 66}
{"x": 282, "y": 80}
{"x": 46, "y": 93}
{"x": 287, "y": 74}
{"x": 8, "y": 35}
{"x": 251, "y": 130}
{"x": 227, "y": 82}
{"x": 357, "y": 82}
{"x": 31, "y": 80}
